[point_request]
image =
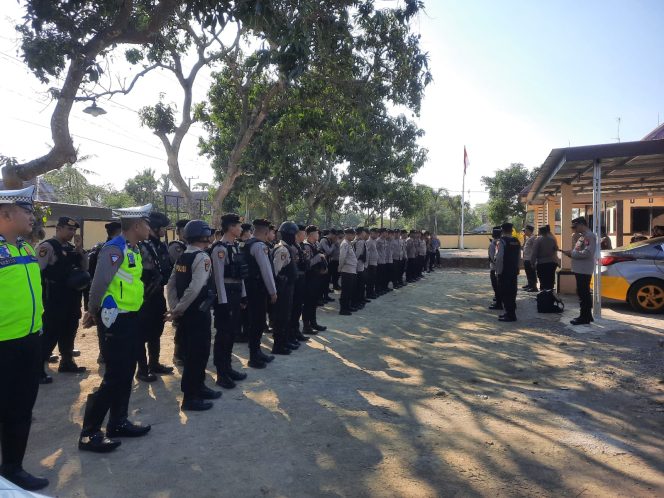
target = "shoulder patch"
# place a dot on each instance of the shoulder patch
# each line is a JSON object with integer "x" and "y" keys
{"x": 221, "y": 254}
{"x": 42, "y": 252}
{"x": 114, "y": 258}
{"x": 283, "y": 256}
{"x": 207, "y": 264}
{"x": 266, "y": 250}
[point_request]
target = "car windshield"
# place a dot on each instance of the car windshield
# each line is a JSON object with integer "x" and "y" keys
{"x": 641, "y": 243}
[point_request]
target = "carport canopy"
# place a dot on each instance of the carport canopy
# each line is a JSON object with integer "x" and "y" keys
{"x": 628, "y": 169}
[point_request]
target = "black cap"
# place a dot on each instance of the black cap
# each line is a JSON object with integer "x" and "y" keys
{"x": 349, "y": 230}
{"x": 507, "y": 227}
{"x": 261, "y": 222}
{"x": 496, "y": 231}
{"x": 373, "y": 230}
{"x": 579, "y": 221}
{"x": 181, "y": 223}
{"x": 404, "y": 231}
{"x": 301, "y": 228}
{"x": 246, "y": 227}
{"x": 66, "y": 221}
{"x": 529, "y": 227}
{"x": 112, "y": 226}
{"x": 311, "y": 229}
{"x": 360, "y": 230}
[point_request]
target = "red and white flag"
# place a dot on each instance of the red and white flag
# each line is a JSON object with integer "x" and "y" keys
{"x": 466, "y": 161}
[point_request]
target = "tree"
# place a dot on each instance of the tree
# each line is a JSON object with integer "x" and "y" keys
{"x": 371, "y": 53}
{"x": 143, "y": 188}
{"x": 504, "y": 188}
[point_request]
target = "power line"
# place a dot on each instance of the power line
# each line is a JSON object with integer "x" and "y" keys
{"x": 161, "y": 159}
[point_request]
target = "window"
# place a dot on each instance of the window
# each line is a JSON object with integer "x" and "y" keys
{"x": 643, "y": 218}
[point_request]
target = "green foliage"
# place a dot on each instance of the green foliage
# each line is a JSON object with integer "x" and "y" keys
{"x": 504, "y": 188}
{"x": 159, "y": 117}
{"x": 143, "y": 188}
{"x": 438, "y": 211}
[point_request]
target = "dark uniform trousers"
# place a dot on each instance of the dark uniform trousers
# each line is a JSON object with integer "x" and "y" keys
{"x": 196, "y": 335}
{"x": 585, "y": 296}
{"x": 371, "y": 280}
{"x": 410, "y": 269}
{"x": 380, "y": 277}
{"x": 508, "y": 287}
{"x": 122, "y": 343}
{"x": 347, "y": 289}
{"x": 227, "y": 323}
{"x": 396, "y": 272}
{"x": 298, "y": 303}
{"x": 311, "y": 295}
{"x": 531, "y": 275}
{"x": 420, "y": 265}
{"x": 333, "y": 273}
{"x": 282, "y": 312}
{"x": 360, "y": 288}
{"x": 546, "y": 272}
{"x": 496, "y": 288}
{"x": 20, "y": 367}
{"x": 151, "y": 318}
{"x": 62, "y": 311}
{"x": 257, "y": 304}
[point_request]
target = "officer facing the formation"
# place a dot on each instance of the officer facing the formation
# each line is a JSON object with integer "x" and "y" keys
{"x": 116, "y": 296}
{"x": 230, "y": 268}
{"x": 20, "y": 330}
{"x": 359, "y": 247}
{"x": 260, "y": 285}
{"x": 348, "y": 271}
{"x": 493, "y": 248}
{"x": 372, "y": 263}
{"x": 316, "y": 274}
{"x": 284, "y": 260}
{"x": 177, "y": 247}
{"x": 189, "y": 299}
{"x": 328, "y": 248}
{"x": 508, "y": 255}
{"x": 64, "y": 271}
{"x": 156, "y": 271}
{"x": 583, "y": 265}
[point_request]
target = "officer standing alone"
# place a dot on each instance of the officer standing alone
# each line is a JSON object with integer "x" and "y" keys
{"x": 116, "y": 296}
{"x": 583, "y": 265}
{"x": 20, "y": 330}
{"x": 348, "y": 271}
{"x": 508, "y": 254}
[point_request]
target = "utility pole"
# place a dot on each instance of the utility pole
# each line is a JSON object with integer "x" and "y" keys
{"x": 189, "y": 179}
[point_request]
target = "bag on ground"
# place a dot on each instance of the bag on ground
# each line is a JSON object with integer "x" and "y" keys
{"x": 548, "y": 302}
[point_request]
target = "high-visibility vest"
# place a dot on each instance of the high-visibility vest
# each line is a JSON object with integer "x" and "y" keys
{"x": 21, "y": 305}
{"x": 126, "y": 288}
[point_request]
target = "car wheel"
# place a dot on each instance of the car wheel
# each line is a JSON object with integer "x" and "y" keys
{"x": 647, "y": 295}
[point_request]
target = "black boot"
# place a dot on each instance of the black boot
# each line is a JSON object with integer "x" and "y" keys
{"x": 97, "y": 443}
{"x": 224, "y": 380}
{"x": 266, "y": 358}
{"x": 125, "y": 428}
{"x": 196, "y": 405}
{"x": 146, "y": 376}
{"x": 319, "y": 328}
{"x": 235, "y": 375}
{"x": 69, "y": 366}
{"x": 207, "y": 393}
{"x": 24, "y": 480}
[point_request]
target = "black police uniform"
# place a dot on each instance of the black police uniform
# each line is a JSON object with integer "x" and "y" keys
{"x": 194, "y": 327}
{"x": 299, "y": 288}
{"x": 257, "y": 302}
{"x": 313, "y": 286}
{"x": 62, "y": 303}
{"x": 507, "y": 280}
{"x": 285, "y": 283}
{"x": 154, "y": 302}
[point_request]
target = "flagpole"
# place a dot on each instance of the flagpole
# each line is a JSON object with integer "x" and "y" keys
{"x": 463, "y": 203}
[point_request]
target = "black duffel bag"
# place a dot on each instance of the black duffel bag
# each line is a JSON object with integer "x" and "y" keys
{"x": 548, "y": 302}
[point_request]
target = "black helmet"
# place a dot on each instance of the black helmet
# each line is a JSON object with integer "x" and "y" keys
{"x": 288, "y": 228}
{"x": 158, "y": 220}
{"x": 78, "y": 279}
{"x": 196, "y": 229}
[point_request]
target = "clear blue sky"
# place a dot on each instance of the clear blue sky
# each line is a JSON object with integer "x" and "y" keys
{"x": 513, "y": 79}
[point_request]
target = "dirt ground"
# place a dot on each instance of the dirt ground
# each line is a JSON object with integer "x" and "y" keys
{"x": 421, "y": 394}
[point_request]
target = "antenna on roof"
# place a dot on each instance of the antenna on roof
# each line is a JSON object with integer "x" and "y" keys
{"x": 618, "y": 119}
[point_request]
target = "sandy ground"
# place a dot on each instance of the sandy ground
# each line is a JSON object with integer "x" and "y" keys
{"x": 423, "y": 393}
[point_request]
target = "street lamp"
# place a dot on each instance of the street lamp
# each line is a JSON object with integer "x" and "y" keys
{"x": 93, "y": 110}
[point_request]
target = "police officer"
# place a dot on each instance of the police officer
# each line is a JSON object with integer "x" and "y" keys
{"x": 157, "y": 269}
{"x": 348, "y": 271}
{"x": 328, "y": 247}
{"x": 583, "y": 265}
{"x": 411, "y": 256}
{"x": 20, "y": 329}
{"x": 316, "y": 274}
{"x": 284, "y": 262}
{"x": 360, "y": 250}
{"x": 396, "y": 260}
{"x": 300, "y": 286}
{"x": 260, "y": 285}
{"x": 508, "y": 255}
{"x": 243, "y": 336}
{"x": 230, "y": 269}
{"x": 380, "y": 271}
{"x": 372, "y": 263}
{"x": 113, "y": 229}
{"x": 189, "y": 301}
{"x": 493, "y": 247}
{"x": 177, "y": 247}
{"x": 404, "y": 256}
{"x": 64, "y": 272}
{"x": 116, "y": 296}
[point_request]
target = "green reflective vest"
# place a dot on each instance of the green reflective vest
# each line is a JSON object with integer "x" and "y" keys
{"x": 21, "y": 305}
{"x": 126, "y": 288}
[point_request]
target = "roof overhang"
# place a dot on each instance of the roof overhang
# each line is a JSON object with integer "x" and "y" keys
{"x": 629, "y": 169}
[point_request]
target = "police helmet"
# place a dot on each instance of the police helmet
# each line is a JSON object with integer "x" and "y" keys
{"x": 288, "y": 228}
{"x": 158, "y": 220}
{"x": 196, "y": 229}
{"x": 78, "y": 279}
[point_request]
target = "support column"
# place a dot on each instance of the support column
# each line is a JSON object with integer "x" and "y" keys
{"x": 550, "y": 215}
{"x": 619, "y": 222}
{"x": 566, "y": 199}
{"x": 597, "y": 228}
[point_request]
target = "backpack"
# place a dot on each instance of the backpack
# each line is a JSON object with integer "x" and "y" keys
{"x": 548, "y": 302}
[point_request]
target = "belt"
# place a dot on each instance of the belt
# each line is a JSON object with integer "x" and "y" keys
{"x": 232, "y": 281}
